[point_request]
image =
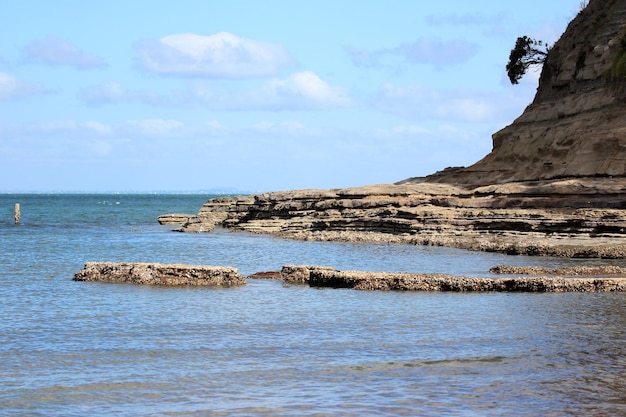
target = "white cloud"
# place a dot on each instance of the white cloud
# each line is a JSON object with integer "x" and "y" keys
{"x": 222, "y": 55}
{"x": 430, "y": 51}
{"x": 436, "y": 51}
{"x": 289, "y": 128}
{"x": 404, "y": 130}
{"x": 154, "y": 127}
{"x": 454, "y": 19}
{"x": 11, "y": 88}
{"x": 97, "y": 127}
{"x": 69, "y": 127}
{"x": 111, "y": 92}
{"x": 303, "y": 90}
{"x": 55, "y": 51}
{"x": 300, "y": 91}
{"x": 106, "y": 92}
{"x": 423, "y": 103}
{"x": 466, "y": 109}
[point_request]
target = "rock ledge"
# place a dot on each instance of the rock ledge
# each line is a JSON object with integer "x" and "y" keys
{"x": 160, "y": 274}
{"x": 389, "y": 281}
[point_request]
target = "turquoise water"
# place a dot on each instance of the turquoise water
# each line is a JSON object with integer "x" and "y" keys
{"x": 74, "y": 349}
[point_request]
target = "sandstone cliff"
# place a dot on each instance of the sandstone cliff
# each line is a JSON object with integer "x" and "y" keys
{"x": 576, "y": 125}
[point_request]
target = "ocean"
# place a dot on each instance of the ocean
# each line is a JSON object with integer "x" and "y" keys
{"x": 267, "y": 349}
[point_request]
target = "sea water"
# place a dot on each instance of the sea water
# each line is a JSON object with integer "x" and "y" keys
{"x": 265, "y": 349}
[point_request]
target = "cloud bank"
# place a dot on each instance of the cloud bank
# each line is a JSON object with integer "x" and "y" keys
{"x": 428, "y": 51}
{"x": 423, "y": 104}
{"x": 300, "y": 91}
{"x": 222, "y": 55}
{"x": 55, "y": 51}
{"x": 12, "y": 88}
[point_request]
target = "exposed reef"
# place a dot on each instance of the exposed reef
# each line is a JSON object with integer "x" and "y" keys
{"x": 401, "y": 281}
{"x": 325, "y": 276}
{"x": 160, "y": 274}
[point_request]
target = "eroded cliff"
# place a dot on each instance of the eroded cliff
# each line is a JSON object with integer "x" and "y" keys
{"x": 576, "y": 125}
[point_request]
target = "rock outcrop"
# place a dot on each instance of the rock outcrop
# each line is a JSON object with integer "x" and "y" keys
{"x": 604, "y": 270}
{"x": 573, "y": 218}
{"x": 300, "y": 274}
{"x": 554, "y": 183}
{"x": 176, "y": 218}
{"x": 390, "y": 281}
{"x": 576, "y": 125}
{"x": 160, "y": 274}
{"x": 595, "y": 280}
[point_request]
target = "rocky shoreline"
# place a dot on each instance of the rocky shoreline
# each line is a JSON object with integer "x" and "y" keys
{"x": 575, "y": 217}
{"x": 324, "y": 276}
{"x": 562, "y": 280}
{"x": 388, "y": 281}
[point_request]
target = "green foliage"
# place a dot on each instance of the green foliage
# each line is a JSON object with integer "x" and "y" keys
{"x": 618, "y": 69}
{"x": 526, "y": 53}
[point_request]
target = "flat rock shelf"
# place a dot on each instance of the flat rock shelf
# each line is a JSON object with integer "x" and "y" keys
{"x": 316, "y": 276}
{"x": 160, "y": 274}
{"x": 325, "y": 276}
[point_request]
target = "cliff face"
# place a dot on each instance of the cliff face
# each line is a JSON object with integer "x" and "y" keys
{"x": 576, "y": 125}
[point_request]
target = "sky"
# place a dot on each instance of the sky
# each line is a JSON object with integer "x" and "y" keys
{"x": 255, "y": 96}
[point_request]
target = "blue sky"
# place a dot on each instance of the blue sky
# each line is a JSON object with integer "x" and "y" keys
{"x": 256, "y": 95}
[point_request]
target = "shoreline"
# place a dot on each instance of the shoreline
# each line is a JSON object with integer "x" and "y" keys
{"x": 574, "y": 217}
{"x": 527, "y": 244}
{"x": 581, "y": 279}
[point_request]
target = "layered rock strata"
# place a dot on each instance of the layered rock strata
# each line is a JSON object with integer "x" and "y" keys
{"x": 568, "y": 217}
{"x": 575, "y": 127}
{"x": 176, "y": 218}
{"x": 160, "y": 274}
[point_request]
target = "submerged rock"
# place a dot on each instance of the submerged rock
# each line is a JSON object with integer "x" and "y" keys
{"x": 389, "y": 281}
{"x": 175, "y": 218}
{"x": 300, "y": 274}
{"x": 605, "y": 270}
{"x": 160, "y": 274}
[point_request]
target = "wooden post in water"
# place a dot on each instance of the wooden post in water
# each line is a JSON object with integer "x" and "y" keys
{"x": 18, "y": 215}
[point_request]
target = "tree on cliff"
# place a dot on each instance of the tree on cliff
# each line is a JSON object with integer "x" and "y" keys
{"x": 527, "y": 52}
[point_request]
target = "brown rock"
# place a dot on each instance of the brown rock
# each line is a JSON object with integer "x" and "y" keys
{"x": 160, "y": 274}
{"x": 175, "y": 218}
{"x": 605, "y": 270}
{"x": 575, "y": 126}
{"x": 387, "y": 281}
{"x": 300, "y": 274}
